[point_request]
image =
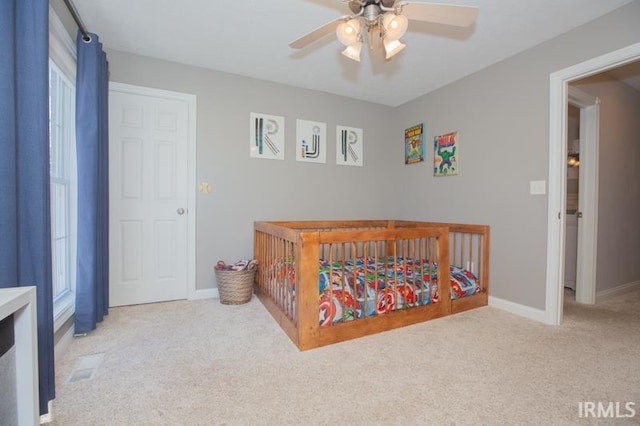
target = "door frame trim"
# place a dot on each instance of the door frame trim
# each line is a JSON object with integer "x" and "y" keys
{"x": 558, "y": 100}
{"x": 191, "y": 101}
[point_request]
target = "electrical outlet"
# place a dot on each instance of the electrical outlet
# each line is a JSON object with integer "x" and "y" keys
{"x": 538, "y": 187}
{"x": 205, "y": 188}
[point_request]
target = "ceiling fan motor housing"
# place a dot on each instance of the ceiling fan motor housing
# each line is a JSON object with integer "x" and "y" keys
{"x": 357, "y": 5}
{"x": 371, "y": 13}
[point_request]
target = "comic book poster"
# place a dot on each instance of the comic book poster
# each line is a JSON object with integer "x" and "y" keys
{"x": 445, "y": 153}
{"x": 414, "y": 144}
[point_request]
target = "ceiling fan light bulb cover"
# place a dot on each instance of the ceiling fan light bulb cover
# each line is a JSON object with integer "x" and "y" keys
{"x": 395, "y": 26}
{"x": 353, "y": 51}
{"x": 393, "y": 47}
{"x": 348, "y": 32}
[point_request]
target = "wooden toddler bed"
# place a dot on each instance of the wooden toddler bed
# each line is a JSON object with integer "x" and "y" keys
{"x": 330, "y": 281}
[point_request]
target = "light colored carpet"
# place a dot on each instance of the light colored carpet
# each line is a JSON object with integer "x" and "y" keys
{"x": 200, "y": 363}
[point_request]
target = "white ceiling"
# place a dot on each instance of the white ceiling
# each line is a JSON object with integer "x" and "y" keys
{"x": 250, "y": 38}
{"x": 629, "y": 74}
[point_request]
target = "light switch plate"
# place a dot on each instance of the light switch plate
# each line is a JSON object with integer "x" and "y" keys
{"x": 538, "y": 187}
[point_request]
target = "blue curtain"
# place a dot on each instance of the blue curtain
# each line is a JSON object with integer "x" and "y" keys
{"x": 92, "y": 276}
{"x": 25, "y": 226}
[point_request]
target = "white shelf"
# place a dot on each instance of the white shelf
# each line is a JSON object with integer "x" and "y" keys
{"x": 21, "y": 303}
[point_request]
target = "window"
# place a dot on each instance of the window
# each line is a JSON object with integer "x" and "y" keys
{"x": 61, "y": 123}
{"x": 62, "y": 168}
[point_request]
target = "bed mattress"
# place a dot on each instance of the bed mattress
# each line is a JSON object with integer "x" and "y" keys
{"x": 368, "y": 286}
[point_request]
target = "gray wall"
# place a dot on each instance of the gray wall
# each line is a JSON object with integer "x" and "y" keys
{"x": 248, "y": 189}
{"x": 619, "y": 181}
{"x": 65, "y": 16}
{"x": 502, "y": 115}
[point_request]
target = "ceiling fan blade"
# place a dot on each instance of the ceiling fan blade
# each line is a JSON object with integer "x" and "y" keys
{"x": 447, "y": 14}
{"x": 318, "y": 33}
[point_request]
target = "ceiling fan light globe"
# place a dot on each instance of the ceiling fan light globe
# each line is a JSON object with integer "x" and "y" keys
{"x": 393, "y": 47}
{"x": 348, "y": 32}
{"x": 395, "y": 26}
{"x": 353, "y": 51}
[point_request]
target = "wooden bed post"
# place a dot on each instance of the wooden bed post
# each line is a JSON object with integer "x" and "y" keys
{"x": 485, "y": 262}
{"x": 307, "y": 289}
{"x": 391, "y": 244}
{"x": 257, "y": 254}
{"x": 444, "y": 279}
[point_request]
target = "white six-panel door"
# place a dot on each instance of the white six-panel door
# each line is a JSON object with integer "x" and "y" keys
{"x": 148, "y": 179}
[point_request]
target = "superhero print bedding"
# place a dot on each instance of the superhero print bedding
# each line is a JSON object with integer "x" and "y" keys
{"x": 367, "y": 287}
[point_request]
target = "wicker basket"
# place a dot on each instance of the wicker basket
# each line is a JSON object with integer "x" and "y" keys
{"x": 235, "y": 287}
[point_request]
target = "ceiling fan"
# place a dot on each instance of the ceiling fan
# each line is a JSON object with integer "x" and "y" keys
{"x": 384, "y": 22}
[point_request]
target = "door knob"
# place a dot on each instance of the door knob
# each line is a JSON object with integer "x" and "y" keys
{"x": 180, "y": 211}
{"x": 579, "y": 214}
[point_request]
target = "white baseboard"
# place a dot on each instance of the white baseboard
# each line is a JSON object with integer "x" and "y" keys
{"x": 63, "y": 344}
{"x": 617, "y": 291}
{"x": 516, "y": 308}
{"x": 205, "y": 293}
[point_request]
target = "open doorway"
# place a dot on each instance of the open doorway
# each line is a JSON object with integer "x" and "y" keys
{"x": 572, "y": 198}
{"x": 581, "y": 199}
{"x": 558, "y": 153}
